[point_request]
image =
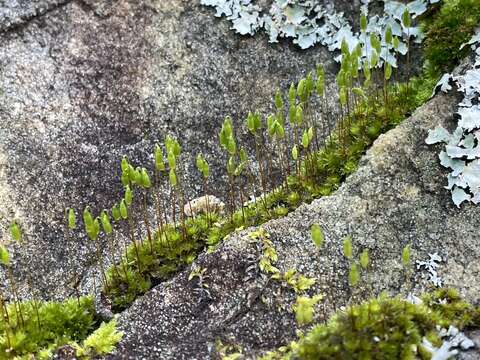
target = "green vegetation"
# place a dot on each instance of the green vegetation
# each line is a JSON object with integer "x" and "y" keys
{"x": 102, "y": 341}
{"x": 304, "y": 308}
{"x": 446, "y": 26}
{"x": 452, "y": 25}
{"x": 291, "y": 278}
{"x": 452, "y": 309}
{"x": 168, "y": 252}
{"x": 40, "y": 328}
{"x": 382, "y": 328}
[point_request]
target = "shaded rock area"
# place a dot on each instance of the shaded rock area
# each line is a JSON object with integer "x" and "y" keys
{"x": 15, "y": 13}
{"x": 84, "y": 82}
{"x": 395, "y": 198}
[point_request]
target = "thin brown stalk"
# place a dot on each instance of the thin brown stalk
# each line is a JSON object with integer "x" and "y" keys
{"x": 205, "y": 191}
{"x": 17, "y": 304}
{"x": 147, "y": 223}
{"x": 34, "y": 299}
{"x": 232, "y": 198}
{"x": 75, "y": 274}
{"x": 101, "y": 265}
{"x": 134, "y": 241}
{"x": 5, "y": 318}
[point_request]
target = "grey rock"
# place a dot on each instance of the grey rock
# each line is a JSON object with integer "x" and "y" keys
{"x": 474, "y": 353}
{"x": 395, "y": 198}
{"x": 15, "y": 13}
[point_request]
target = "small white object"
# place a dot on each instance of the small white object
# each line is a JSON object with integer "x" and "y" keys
{"x": 202, "y": 205}
{"x": 431, "y": 266}
{"x": 444, "y": 83}
{"x": 415, "y": 300}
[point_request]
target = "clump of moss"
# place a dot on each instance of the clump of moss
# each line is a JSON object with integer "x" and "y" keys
{"x": 378, "y": 329}
{"x": 57, "y": 324}
{"x": 101, "y": 342}
{"x": 144, "y": 265}
{"x": 35, "y": 329}
{"x": 446, "y": 30}
{"x": 171, "y": 250}
{"x": 382, "y": 328}
{"x": 447, "y": 26}
{"x": 452, "y": 308}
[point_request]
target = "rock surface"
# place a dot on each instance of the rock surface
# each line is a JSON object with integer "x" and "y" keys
{"x": 84, "y": 82}
{"x": 395, "y": 198}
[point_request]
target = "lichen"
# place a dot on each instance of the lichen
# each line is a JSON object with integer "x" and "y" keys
{"x": 462, "y": 149}
{"x": 309, "y": 23}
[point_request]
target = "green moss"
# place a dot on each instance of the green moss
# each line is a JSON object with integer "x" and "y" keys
{"x": 57, "y": 324}
{"x": 101, "y": 342}
{"x": 382, "y": 328}
{"x": 452, "y": 308}
{"x": 447, "y": 26}
{"x": 173, "y": 248}
{"x": 353, "y": 334}
{"x": 446, "y": 30}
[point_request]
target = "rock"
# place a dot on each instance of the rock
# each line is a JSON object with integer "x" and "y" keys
{"x": 204, "y": 205}
{"x": 395, "y": 198}
{"x": 14, "y": 13}
{"x": 84, "y": 82}
{"x": 65, "y": 352}
{"x": 473, "y": 353}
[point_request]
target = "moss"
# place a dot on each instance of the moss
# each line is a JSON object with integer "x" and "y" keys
{"x": 24, "y": 331}
{"x": 172, "y": 249}
{"x": 101, "y": 342}
{"x": 452, "y": 308}
{"x": 446, "y": 30}
{"x": 377, "y": 329}
{"x": 382, "y": 328}
{"x": 37, "y": 329}
{"x": 447, "y": 26}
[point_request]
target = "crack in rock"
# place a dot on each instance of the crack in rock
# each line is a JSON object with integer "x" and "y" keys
{"x": 14, "y": 14}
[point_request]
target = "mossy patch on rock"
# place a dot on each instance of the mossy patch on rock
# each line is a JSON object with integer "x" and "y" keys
{"x": 383, "y": 328}
{"x": 446, "y": 30}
